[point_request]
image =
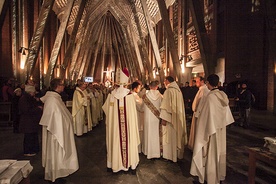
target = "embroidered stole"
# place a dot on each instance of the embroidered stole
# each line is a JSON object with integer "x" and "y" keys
{"x": 154, "y": 110}
{"x": 123, "y": 132}
{"x": 85, "y": 109}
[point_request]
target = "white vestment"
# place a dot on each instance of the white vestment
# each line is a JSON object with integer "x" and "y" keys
{"x": 122, "y": 134}
{"x": 140, "y": 116}
{"x": 196, "y": 107}
{"x": 209, "y": 154}
{"x": 151, "y": 144}
{"x": 79, "y": 112}
{"x": 59, "y": 155}
{"x": 99, "y": 105}
{"x": 93, "y": 107}
{"x": 88, "y": 110}
{"x": 101, "y": 100}
{"x": 174, "y": 133}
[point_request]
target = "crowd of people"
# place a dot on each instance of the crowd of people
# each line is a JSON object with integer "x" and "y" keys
{"x": 87, "y": 101}
{"x": 139, "y": 119}
{"x": 33, "y": 108}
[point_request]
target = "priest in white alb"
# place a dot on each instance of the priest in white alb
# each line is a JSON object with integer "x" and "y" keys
{"x": 152, "y": 100}
{"x": 80, "y": 110}
{"x": 135, "y": 89}
{"x": 122, "y": 133}
{"x": 93, "y": 104}
{"x": 173, "y": 120}
{"x": 59, "y": 154}
{"x": 196, "y": 107}
{"x": 209, "y": 153}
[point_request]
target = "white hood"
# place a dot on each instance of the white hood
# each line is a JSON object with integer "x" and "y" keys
{"x": 153, "y": 94}
{"x": 222, "y": 97}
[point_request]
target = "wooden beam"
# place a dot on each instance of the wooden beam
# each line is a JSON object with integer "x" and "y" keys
{"x": 142, "y": 46}
{"x": 170, "y": 37}
{"x": 89, "y": 52}
{"x": 184, "y": 6}
{"x": 76, "y": 51}
{"x": 95, "y": 36}
{"x": 4, "y": 6}
{"x": 132, "y": 59}
{"x": 71, "y": 44}
{"x": 135, "y": 53}
{"x": 102, "y": 60}
{"x": 15, "y": 38}
{"x": 202, "y": 38}
{"x": 58, "y": 42}
{"x": 122, "y": 49}
{"x": 85, "y": 63}
{"x": 112, "y": 59}
{"x": 153, "y": 39}
{"x": 79, "y": 55}
{"x": 37, "y": 36}
{"x": 74, "y": 66}
{"x": 97, "y": 40}
{"x": 80, "y": 60}
{"x": 115, "y": 41}
{"x": 269, "y": 8}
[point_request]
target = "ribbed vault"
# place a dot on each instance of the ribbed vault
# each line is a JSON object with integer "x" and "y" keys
{"x": 108, "y": 36}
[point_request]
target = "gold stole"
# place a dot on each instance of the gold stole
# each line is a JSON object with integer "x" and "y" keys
{"x": 123, "y": 132}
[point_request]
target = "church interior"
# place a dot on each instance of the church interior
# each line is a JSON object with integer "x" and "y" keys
{"x": 186, "y": 39}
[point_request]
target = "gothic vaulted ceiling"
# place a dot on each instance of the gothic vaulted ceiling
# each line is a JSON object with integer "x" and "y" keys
{"x": 122, "y": 10}
{"x": 110, "y": 28}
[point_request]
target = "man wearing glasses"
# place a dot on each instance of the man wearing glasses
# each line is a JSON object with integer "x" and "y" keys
{"x": 59, "y": 155}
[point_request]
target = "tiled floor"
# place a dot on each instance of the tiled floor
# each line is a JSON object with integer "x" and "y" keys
{"x": 92, "y": 158}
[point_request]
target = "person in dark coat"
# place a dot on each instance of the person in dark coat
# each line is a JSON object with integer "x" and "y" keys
{"x": 193, "y": 91}
{"x": 30, "y": 114}
{"x": 244, "y": 101}
{"x": 15, "y": 111}
{"x": 7, "y": 90}
{"x": 187, "y": 101}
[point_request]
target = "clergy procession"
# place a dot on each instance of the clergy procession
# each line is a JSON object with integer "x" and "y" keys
{"x": 139, "y": 120}
{"x": 144, "y": 120}
{"x": 137, "y": 91}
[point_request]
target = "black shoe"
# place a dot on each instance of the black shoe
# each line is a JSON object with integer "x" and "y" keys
{"x": 60, "y": 181}
{"x": 108, "y": 169}
{"x": 166, "y": 160}
{"x": 153, "y": 159}
{"x": 133, "y": 172}
{"x": 196, "y": 182}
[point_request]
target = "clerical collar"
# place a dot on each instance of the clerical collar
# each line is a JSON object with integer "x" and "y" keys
{"x": 214, "y": 89}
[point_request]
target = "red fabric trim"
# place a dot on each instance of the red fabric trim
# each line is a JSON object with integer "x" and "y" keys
{"x": 126, "y": 130}
{"x": 123, "y": 134}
